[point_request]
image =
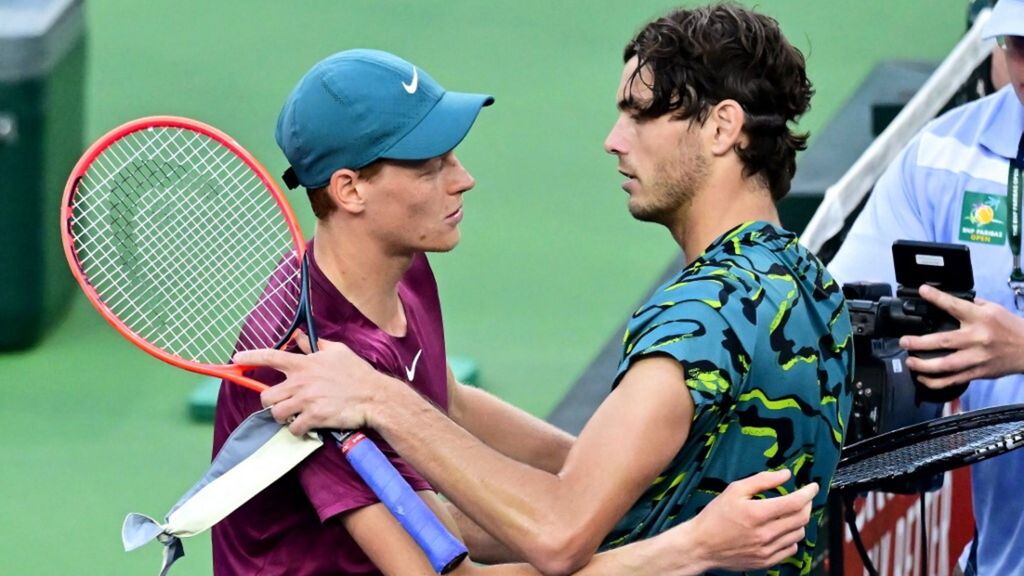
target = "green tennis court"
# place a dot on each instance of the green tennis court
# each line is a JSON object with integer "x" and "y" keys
{"x": 550, "y": 262}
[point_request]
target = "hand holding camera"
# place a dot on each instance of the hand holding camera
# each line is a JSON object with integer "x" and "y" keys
{"x": 987, "y": 343}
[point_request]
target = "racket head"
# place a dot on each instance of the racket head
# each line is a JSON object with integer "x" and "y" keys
{"x": 184, "y": 243}
{"x": 929, "y": 448}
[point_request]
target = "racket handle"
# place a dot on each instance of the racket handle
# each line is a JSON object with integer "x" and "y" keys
{"x": 444, "y": 551}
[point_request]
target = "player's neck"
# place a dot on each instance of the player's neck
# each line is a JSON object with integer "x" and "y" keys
{"x": 365, "y": 274}
{"x": 718, "y": 208}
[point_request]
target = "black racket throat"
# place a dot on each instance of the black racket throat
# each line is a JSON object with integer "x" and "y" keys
{"x": 304, "y": 315}
{"x": 304, "y": 311}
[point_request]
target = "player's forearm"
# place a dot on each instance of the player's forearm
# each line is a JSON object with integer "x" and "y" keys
{"x": 482, "y": 546}
{"x": 510, "y": 430}
{"x": 388, "y": 546}
{"x": 532, "y": 511}
{"x": 659, "y": 556}
{"x": 664, "y": 555}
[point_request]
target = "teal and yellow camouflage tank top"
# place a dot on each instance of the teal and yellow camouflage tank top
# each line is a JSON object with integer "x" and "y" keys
{"x": 762, "y": 332}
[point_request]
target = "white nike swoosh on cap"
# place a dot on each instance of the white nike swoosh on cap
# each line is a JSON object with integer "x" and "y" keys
{"x": 411, "y": 87}
{"x": 411, "y": 371}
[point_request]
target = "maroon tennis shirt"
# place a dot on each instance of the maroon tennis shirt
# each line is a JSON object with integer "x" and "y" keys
{"x": 292, "y": 527}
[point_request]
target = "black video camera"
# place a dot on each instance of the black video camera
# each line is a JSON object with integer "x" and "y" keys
{"x": 887, "y": 396}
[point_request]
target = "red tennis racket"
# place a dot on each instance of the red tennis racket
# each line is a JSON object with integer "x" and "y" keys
{"x": 186, "y": 246}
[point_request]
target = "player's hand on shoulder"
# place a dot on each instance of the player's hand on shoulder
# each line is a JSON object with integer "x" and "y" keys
{"x": 738, "y": 531}
{"x": 328, "y": 389}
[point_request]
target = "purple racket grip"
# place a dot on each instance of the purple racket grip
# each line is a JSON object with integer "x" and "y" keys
{"x": 444, "y": 551}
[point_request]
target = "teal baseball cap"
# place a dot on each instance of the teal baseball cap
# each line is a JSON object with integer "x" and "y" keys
{"x": 359, "y": 106}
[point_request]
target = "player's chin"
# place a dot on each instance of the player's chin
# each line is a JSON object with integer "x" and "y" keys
{"x": 446, "y": 242}
{"x": 644, "y": 211}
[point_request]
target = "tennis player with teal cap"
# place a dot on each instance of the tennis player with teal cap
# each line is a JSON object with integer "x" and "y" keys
{"x": 371, "y": 138}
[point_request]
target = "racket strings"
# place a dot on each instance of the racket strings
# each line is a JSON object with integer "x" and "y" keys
{"x": 126, "y": 193}
{"x": 184, "y": 244}
{"x": 178, "y": 342}
{"x": 243, "y": 266}
{"x": 159, "y": 282}
{"x": 963, "y": 445}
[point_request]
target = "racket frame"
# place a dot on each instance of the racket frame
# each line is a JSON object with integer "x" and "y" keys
{"x": 923, "y": 431}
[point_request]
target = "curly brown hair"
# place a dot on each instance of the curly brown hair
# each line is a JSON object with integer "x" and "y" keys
{"x": 699, "y": 57}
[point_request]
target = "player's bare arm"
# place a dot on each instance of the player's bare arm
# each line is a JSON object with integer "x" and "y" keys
{"x": 387, "y": 544}
{"x": 735, "y": 532}
{"x": 481, "y": 545}
{"x": 555, "y": 521}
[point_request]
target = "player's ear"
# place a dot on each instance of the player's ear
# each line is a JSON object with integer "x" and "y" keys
{"x": 345, "y": 191}
{"x": 726, "y": 121}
